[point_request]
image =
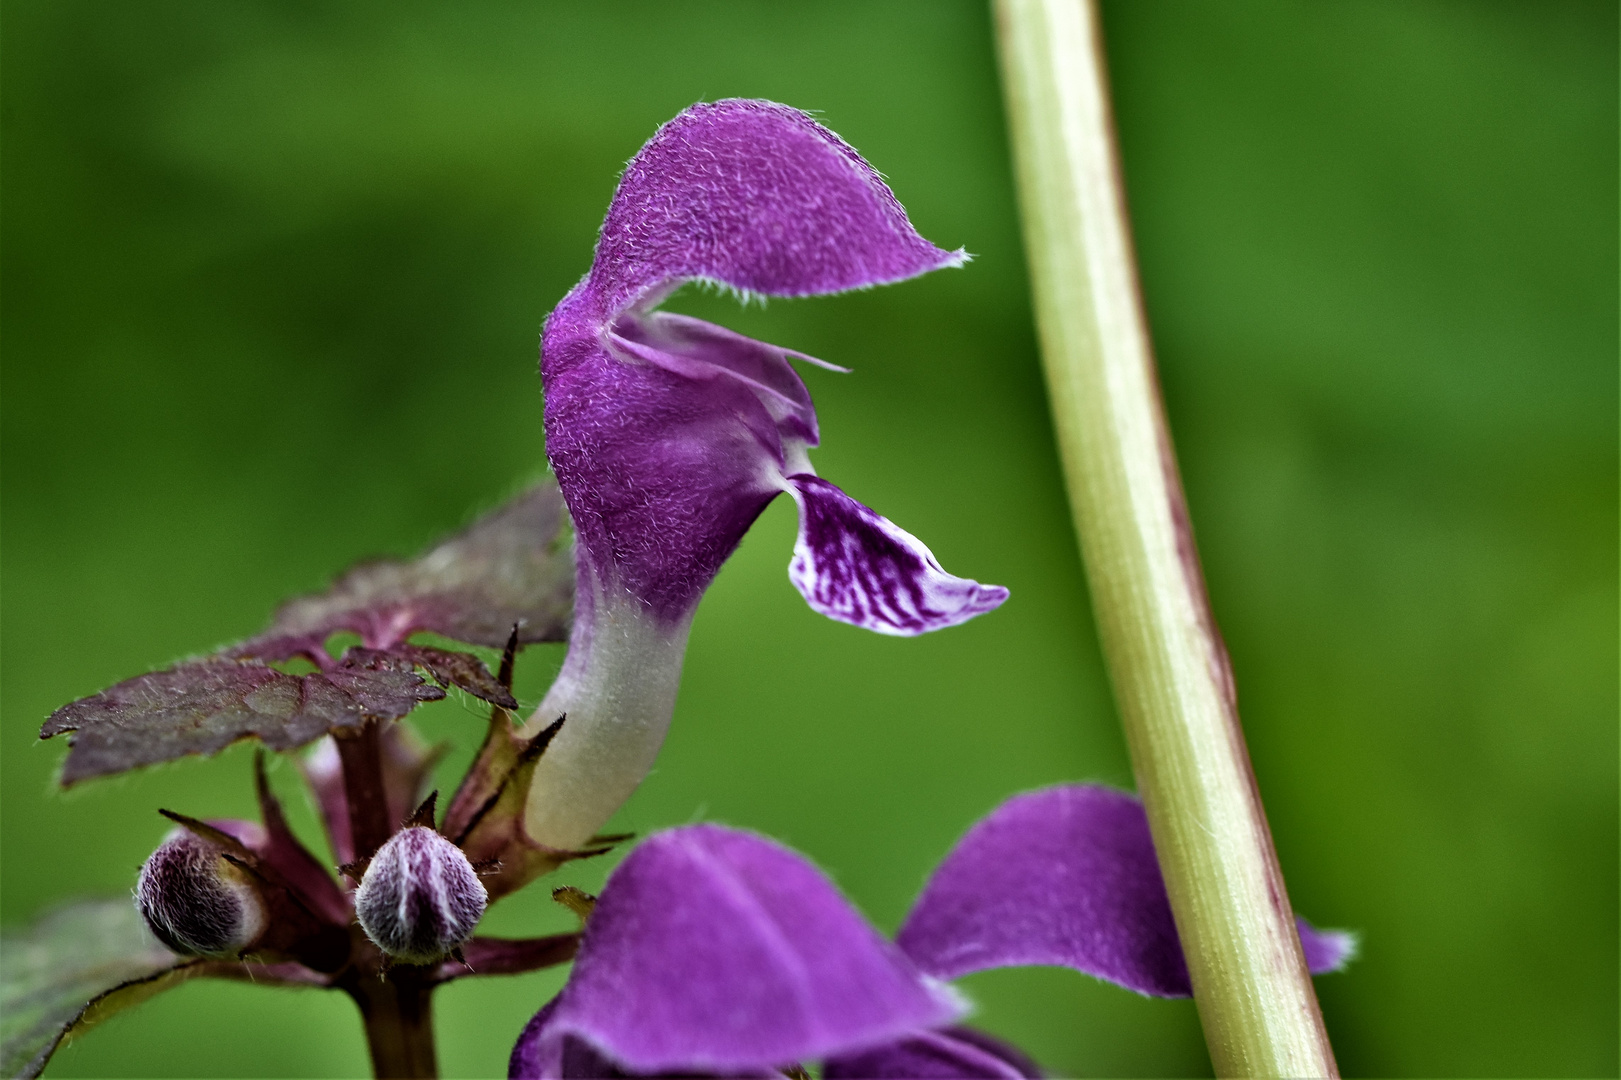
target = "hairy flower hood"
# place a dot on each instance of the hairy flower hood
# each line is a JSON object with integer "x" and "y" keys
{"x": 670, "y": 435}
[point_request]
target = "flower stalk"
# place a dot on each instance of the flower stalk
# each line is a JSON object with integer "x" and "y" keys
{"x": 361, "y": 755}
{"x": 398, "y": 1015}
{"x": 1166, "y": 659}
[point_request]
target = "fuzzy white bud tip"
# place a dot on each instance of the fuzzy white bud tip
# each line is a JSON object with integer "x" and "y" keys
{"x": 420, "y": 897}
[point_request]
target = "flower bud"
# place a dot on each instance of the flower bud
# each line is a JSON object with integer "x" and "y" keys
{"x": 420, "y": 898}
{"x": 196, "y": 901}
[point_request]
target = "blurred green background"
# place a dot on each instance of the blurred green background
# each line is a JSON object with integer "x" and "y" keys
{"x": 273, "y": 280}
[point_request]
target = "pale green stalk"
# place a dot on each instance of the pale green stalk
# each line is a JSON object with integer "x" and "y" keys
{"x": 1165, "y": 656}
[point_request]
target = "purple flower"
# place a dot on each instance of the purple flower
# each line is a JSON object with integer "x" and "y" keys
{"x": 670, "y": 435}
{"x": 720, "y": 951}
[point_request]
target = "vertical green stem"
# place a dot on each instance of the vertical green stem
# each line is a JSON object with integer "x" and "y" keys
{"x": 1165, "y": 656}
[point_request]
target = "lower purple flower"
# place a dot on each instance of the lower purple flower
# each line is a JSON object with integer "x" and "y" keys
{"x": 723, "y": 951}
{"x": 951, "y": 1053}
{"x": 720, "y": 952}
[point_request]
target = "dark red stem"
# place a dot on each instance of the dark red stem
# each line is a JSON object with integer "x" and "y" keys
{"x": 362, "y": 758}
{"x": 397, "y": 1009}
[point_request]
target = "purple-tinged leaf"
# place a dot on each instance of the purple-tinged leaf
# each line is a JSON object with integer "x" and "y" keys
{"x": 954, "y": 1053}
{"x": 758, "y": 197}
{"x": 459, "y": 669}
{"x": 203, "y": 706}
{"x": 1066, "y": 876}
{"x": 74, "y": 967}
{"x": 85, "y": 961}
{"x": 718, "y": 950}
{"x": 852, "y": 565}
{"x": 284, "y": 973}
{"x": 446, "y": 667}
{"x": 513, "y": 566}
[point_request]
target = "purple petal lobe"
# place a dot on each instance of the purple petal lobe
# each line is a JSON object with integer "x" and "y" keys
{"x": 535, "y": 1056}
{"x": 956, "y": 1053}
{"x": 717, "y": 950}
{"x": 1326, "y": 950}
{"x": 701, "y": 350}
{"x": 1068, "y": 877}
{"x": 759, "y": 197}
{"x": 1065, "y": 876}
{"x": 852, "y": 565}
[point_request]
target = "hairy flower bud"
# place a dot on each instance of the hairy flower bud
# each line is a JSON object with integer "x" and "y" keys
{"x": 196, "y": 901}
{"x": 420, "y": 897}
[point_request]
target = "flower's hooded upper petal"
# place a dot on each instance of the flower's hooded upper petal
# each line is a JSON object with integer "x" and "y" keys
{"x": 1066, "y": 876}
{"x": 759, "y": 197}
{"x": 718, "y": 950}
{"x": 852, "y": 565}
{"x": 955, "y": 1053}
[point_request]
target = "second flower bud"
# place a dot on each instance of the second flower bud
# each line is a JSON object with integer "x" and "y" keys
{"x": 196, "y": 901}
